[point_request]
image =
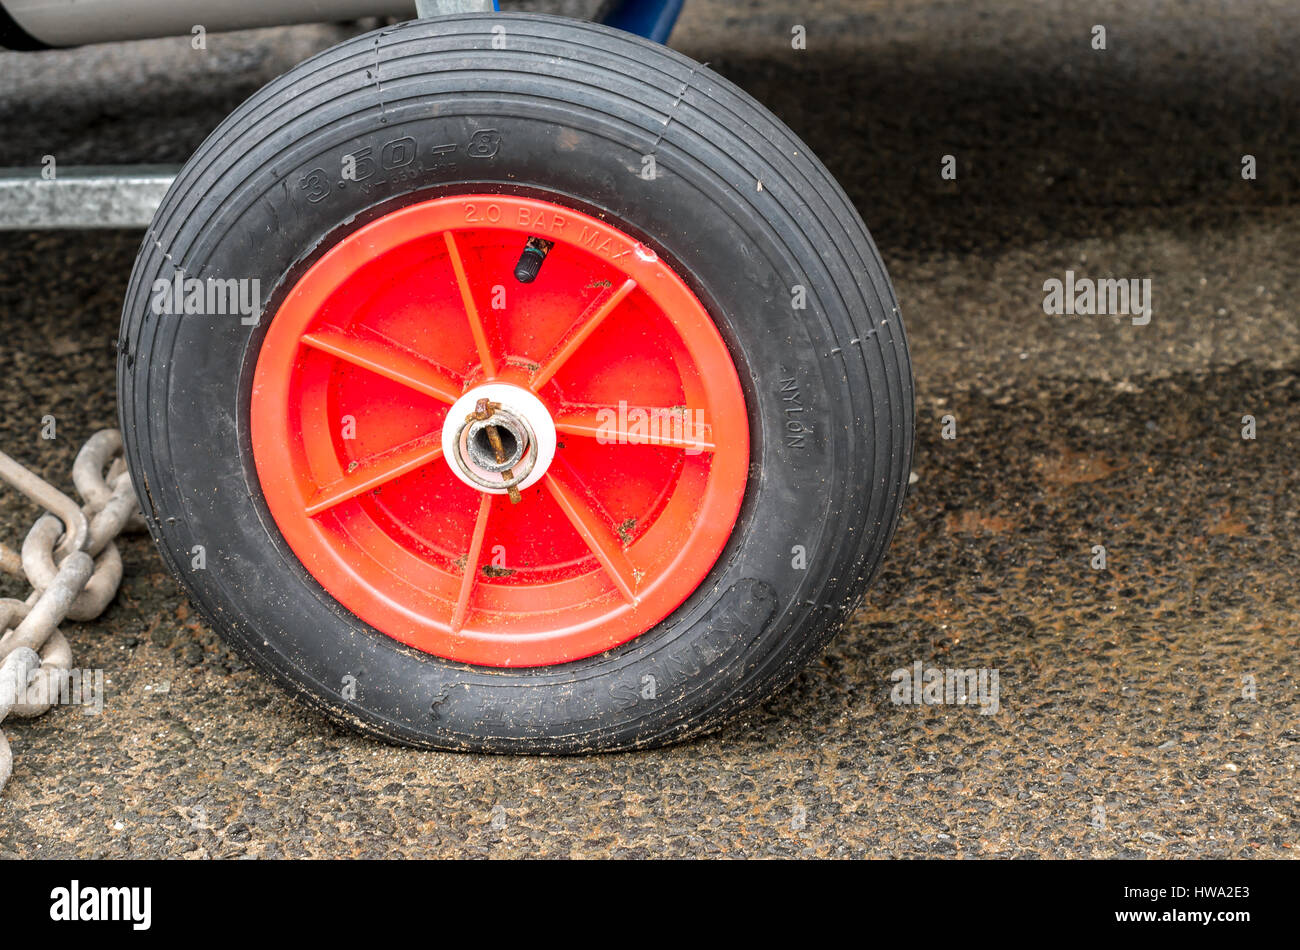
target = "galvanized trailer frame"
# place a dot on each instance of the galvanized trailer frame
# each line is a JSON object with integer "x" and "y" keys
{"x": 126, "y": 196}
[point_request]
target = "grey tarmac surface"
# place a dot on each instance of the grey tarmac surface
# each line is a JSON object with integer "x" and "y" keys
{"x": 1124, "y": 726}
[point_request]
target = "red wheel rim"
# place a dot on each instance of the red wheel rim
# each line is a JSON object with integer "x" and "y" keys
{"x": 353, "y": 390}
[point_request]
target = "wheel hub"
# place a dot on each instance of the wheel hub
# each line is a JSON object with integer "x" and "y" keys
{"x": 499, "y": 437}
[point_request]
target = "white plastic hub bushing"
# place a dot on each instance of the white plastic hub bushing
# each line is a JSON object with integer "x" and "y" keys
{"x": 524, "y": 427}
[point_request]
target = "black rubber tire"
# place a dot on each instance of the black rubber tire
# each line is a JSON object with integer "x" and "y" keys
{"x": 742, "y": 210}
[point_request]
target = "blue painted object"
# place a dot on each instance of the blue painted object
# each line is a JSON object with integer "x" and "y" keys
{"x": 652, "y": 19}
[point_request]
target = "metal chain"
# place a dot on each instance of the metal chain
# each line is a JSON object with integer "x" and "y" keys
{"x": 70, "y": 559}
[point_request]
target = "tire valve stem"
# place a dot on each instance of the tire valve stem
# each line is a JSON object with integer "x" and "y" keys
{"x": 530, "y": 261}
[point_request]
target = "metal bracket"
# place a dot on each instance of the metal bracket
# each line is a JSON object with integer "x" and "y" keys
{"x": 122, "y": 196}
{"x": 428, "y": 8}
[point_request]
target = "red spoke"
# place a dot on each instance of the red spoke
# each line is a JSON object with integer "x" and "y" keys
{"x": 597, "y": 535}
{"x": 470, "y": 575}
{"x": 586, "y": 326}
{"x": 375, "y": 471}
{"x": 612, "y": 425}
{"x": 471, "y": 310}
{"x": 387, "y": 360}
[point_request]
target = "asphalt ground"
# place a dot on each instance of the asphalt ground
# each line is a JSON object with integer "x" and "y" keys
{"x": 1145, "y": 710}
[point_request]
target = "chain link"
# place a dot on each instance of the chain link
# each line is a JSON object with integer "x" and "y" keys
{"x": 70, "y": 559}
